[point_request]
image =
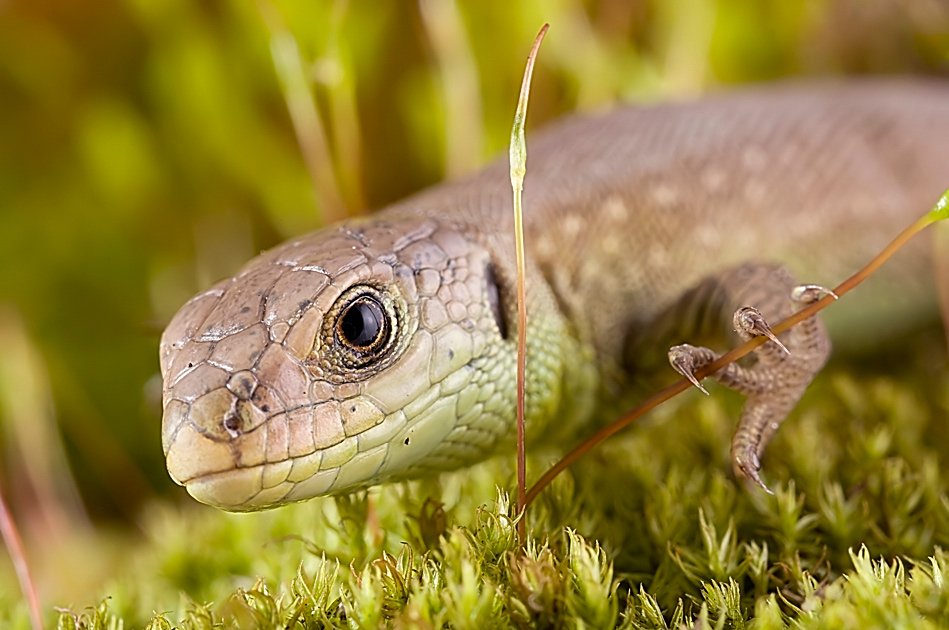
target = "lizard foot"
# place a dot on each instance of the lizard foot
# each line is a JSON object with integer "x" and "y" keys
{"x": 784, "y": 367}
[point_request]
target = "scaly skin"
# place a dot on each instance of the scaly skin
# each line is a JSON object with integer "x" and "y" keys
{"x": 267, "y": 403}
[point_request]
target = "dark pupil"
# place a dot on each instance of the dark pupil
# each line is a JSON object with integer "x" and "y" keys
{"x": 362, "y": 323}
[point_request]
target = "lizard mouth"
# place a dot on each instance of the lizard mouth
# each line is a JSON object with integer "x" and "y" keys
{"x": 223, "y": 466}
{"x": 211, "y": 472}
{"x": 232, "y": 490}
{"x": 245, "y": 489}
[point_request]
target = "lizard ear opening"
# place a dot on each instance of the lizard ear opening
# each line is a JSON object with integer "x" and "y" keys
{"x": 494, "y": 299}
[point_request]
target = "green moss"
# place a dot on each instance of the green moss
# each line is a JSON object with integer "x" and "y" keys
{"x": 647, "y": 532}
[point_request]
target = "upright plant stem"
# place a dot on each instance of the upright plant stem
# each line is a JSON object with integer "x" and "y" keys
{"x": 518, "y": 170}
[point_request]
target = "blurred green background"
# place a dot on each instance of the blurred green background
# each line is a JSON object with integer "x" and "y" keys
{"x": 150, "y": 147}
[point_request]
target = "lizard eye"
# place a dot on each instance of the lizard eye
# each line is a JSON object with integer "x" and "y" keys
{"x": 362, "y": 328}
{"x": 362, "y": 324}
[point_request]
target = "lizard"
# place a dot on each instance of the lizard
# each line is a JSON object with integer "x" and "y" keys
{"x": 384, "y": 347}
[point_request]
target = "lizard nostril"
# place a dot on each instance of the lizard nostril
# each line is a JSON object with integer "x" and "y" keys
{"x": 232, "y": 424}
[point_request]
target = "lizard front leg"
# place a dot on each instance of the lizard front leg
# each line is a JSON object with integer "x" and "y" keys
{"x": 783, "y": 367}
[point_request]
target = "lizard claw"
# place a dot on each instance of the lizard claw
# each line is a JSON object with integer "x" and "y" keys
{"x": 810, "y": 293}
{"x": 750, "y": 321}
{"x": 747, "y": 466}
{"x": 682, "y": 359}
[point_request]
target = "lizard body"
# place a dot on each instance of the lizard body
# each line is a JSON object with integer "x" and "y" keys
{"x": 385, "y": 347}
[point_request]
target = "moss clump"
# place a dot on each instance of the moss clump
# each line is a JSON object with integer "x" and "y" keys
{"x": 647, "y": 532}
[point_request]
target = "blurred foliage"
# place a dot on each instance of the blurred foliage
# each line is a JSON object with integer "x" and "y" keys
{"x": 147, "y": 149}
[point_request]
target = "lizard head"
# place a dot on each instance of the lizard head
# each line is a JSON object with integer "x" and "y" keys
{"x": 370, "y": 351}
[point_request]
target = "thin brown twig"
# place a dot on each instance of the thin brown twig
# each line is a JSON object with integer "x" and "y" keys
{"x": 730, "y": 357}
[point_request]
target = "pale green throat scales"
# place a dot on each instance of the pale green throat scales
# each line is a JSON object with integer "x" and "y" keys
{"x": 384, "y": 348}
